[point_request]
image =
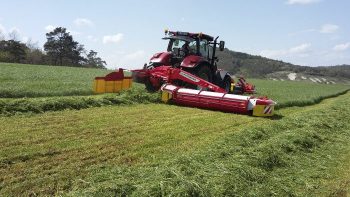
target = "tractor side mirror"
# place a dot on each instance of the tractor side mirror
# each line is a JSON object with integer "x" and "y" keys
{"x": 222, "y": 45}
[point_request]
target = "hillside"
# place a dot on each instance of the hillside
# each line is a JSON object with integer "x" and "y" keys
{"x": 261, "y": 67}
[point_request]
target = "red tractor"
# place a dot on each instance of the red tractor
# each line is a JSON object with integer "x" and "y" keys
{"x": 193, "y": 53}
{"x": 187, "y": 74}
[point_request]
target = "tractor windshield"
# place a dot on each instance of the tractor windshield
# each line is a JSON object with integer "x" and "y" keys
{"x": 182, "y": 43}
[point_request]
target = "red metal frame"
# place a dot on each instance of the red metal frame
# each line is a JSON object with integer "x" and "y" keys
{"x": 247, "y": 87}
{"x": 168, "y": 74}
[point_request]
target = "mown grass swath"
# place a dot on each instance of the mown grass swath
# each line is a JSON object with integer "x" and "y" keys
{"x": 135, "y": 95}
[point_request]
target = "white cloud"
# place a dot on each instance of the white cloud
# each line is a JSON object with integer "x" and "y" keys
{"x": 49, "y": 28}
{"x": 2, "y": 32}
{"x": 14, "y": 33}
{"x": 25, "y": 39}
{"x": 14, "y": 30}
{"x": 325, "y": 29}
{"x": 126, "y": 59}
{"x": 302, "y": 32}
{"x": 329, "y": 28}
{"x": 92, "y": 38}
{"x": 136, "y": 55}
{"x": 73, "y": 33}
{"x": 341, "y": 47}
{"x": 300, "y": 50}
{"x": 113, "y": 38}
{"x": 302, "y": 2}
{"x": 83, "y": 22}
{"x": 2, "y": 28}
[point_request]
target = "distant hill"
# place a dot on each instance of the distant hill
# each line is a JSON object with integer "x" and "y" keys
{"x": 260, "y": 67}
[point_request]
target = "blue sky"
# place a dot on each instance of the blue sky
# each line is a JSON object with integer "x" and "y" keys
{"x": 127, "y": 33}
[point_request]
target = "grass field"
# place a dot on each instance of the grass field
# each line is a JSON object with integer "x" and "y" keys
{"x": 22, "y": 80}
{"x": 165, "y": 150}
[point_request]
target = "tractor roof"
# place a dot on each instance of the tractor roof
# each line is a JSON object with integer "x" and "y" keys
{"x": 175, "y": 34}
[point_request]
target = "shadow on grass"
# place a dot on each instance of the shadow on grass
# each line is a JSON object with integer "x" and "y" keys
{"x": 275, "y": 117}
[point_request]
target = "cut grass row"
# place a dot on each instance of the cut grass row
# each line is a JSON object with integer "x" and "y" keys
{"x": 153, "y": 150}
{"x": 138, "y": 94}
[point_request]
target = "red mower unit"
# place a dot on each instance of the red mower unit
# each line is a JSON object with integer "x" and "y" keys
{"x": 187, "y": 74}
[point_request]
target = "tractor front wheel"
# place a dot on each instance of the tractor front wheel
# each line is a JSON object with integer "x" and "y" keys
{"x": 149, "y": 86}
{"x": 227, "y": 84}
{"x": 204, "y": 72}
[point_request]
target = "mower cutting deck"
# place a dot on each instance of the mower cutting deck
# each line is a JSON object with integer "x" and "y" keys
{"x": 218, "y": 101}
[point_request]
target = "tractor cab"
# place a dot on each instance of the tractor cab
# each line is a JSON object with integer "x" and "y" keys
{"x": 183, "y": 44}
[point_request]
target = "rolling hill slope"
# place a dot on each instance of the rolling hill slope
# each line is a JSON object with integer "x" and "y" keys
{"x": 261, "y": 67}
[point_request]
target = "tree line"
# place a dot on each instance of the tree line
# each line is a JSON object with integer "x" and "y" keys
{"x": 60, "y": 49}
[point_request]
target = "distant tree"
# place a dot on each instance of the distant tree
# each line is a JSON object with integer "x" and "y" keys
{"x": 93, "y": 61}
{"x": 4, "y": 54}
{"x": 62, "y": 49}
{"x": 12, "y": 51}
{"x": 35, "y": 55}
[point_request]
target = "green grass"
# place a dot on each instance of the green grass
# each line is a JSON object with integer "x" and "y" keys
{"x": 142, "y": 148}
{"x": 22, "y": 80}
{"x": 292, "y": 93}
{"x": 157, "y": 149}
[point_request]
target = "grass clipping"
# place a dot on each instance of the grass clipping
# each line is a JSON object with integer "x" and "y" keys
{"x": 10, "y": 107}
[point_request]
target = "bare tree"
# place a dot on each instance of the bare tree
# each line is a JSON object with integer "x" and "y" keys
{"x": 2, "y": 36}
{"x": 32, "y": 44}
{"x": 14, "y": 35}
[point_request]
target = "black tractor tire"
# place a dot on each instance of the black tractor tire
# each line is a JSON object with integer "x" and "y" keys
{"x": 204, "y": 72}
{"x": 227, "y": 84}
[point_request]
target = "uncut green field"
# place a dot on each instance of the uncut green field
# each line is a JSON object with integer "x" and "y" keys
{"x": 22, "y": 80}
{"x": 292, "y": 93}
